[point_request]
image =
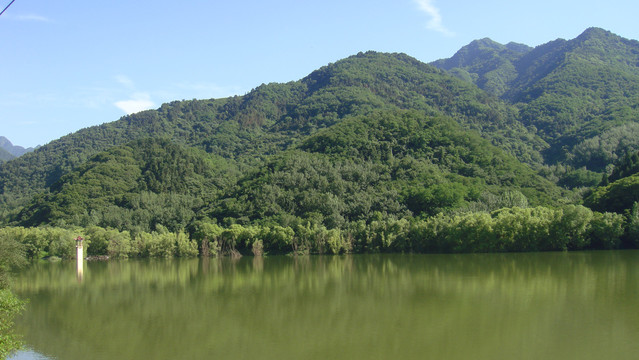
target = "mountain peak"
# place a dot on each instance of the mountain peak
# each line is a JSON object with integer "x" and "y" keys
{"x": 594, "y": 32}
{"x": 485, "y": 43}
{"x": 518, "y": 47}
{"x": 5, "y": 143}
{"x": 598, "y": 37}
{"x": 481, "y": 50}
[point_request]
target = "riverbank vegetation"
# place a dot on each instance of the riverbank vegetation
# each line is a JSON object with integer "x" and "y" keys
{"x": 11, "y": 257}
{"x": 514, "y": 229}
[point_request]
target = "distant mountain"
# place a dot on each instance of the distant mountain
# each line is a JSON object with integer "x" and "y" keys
{"x": 14, "y": 150}
{"x": 579, "y": 95}
{"x": 5, "y": 155}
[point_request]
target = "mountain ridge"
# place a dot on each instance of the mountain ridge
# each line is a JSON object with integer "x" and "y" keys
{"x": 392, "y": 135}
{"x": 266, "y": 111}
{"x": 568, "y": 90}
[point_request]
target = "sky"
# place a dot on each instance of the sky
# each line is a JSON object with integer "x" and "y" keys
{"x": 70, "y": 64}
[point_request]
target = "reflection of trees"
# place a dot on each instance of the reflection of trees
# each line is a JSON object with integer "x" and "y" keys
{"x": 330, "y": 305}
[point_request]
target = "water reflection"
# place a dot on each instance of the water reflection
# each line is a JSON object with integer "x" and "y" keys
{"x": 501, "y": 306}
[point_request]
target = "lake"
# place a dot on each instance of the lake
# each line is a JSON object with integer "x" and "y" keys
{"x": 582, "y": 305}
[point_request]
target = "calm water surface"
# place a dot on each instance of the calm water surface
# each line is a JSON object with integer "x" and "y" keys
{"x": 489, "y": 306}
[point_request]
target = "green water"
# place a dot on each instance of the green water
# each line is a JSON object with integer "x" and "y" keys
{"x": 489, "y": 306}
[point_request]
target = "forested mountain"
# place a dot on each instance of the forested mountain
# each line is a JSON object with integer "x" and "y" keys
{"x": 486, "y": 63}
{"x": 394, "y": 162}
{"x": 371, "y": 135}
{"x": 134, "y": 186}
{"x": 273, "y": 117}
{"x": 579, "y": 95}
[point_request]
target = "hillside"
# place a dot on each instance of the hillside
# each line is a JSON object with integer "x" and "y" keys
{"x": 134, "y": 186}
{"x": 486, "y": 63}
{"x": 371, "y": 135}
{"x": 277, "y": 126}
{"x": 396, "y": 162}
{"x": 579, "y": 95}
{"x": 273, "y": 117}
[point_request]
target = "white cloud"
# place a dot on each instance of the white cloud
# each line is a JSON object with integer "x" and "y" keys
{"x": 136, "y": 100}
{"x": 435, "y": 23}
{"x": 137, "y": 103}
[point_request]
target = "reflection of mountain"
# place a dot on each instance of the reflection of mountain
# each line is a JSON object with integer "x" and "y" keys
{"x": 408, "y": 306}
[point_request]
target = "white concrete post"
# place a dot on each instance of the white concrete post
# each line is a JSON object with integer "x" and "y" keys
{"x": 79, "y": 257}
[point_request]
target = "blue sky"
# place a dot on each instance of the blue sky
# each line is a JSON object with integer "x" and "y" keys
{"x": 71, "y": 64}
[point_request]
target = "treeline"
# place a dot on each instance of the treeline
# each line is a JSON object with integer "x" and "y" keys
{"x": 57, "y": 242}
{"x": 515, "y": 229}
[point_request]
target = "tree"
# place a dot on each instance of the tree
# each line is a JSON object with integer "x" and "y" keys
{"x": 606, "y": 230}
{"x": 632, "y": 227}
{"x": 618, "y": 196}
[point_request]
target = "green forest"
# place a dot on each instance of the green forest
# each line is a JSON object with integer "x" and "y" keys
{"x": 498, "y": 148}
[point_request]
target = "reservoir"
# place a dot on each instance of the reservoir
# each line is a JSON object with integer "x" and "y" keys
{"x": 581, "y": 305}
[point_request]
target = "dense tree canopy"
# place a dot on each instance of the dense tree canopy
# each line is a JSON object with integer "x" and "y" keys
{"x": 134, "y": 186}
{"x": 373, "y": 135}
{"x": 576, "y": 94}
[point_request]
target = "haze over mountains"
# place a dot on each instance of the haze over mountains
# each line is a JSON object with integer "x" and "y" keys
{"x": 5, "y": 155}
{"x": 371, "y": 135}
{"x": 8, "y": 151}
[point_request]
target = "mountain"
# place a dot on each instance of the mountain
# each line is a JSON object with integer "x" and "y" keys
{"x": 273, "y": 117}
{"x": 393, "y": 162}
{"x": 579, "y": 95}
{"x": 14, "y": 150}
{"x": 5, "y": 155}
{"x": 373, "y": 135}
{"x": 473, "y": 146}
